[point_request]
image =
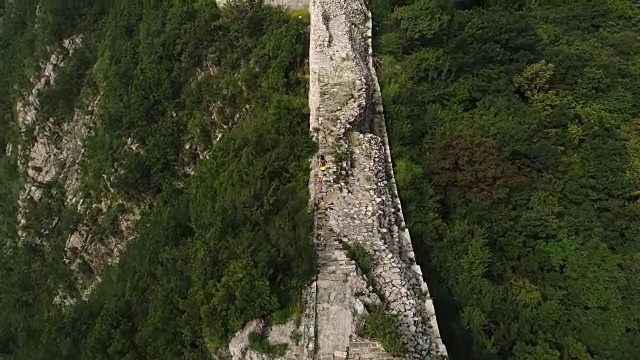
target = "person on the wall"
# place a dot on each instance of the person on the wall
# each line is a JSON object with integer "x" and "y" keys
{"x": 323, "y": 169}
{"x": 323, "y": 164}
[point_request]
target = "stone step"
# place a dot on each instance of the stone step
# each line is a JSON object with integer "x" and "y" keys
{"x": 326, "y": 249}
{"x": 331, "y": 249}
{"x": 331, "y": 256}
{"x": 370, "y": 354}
{"x": 336, "y": 275}
{"x": 336, "y": 265}
{"x": 339, "y": 278}
{"x": 346, "y": 268}
{"x": 371, "y": 357}
{"x": 327, "y": 262}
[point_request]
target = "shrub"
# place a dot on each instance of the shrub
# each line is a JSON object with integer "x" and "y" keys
{"x": 383, "y": 327}
{"x": 260, "y": 343}
{"x": 360, "y": 255}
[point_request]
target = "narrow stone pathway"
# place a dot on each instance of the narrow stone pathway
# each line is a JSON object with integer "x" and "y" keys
{"x": 334, "y": 297}
{"x": 360, "y": 205}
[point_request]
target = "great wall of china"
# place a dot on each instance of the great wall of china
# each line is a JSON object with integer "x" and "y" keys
{"x": 357, "y": 205}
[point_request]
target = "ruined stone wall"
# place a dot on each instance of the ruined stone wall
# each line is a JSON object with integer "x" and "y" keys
{"x": 356, "y": 203}
{"x": 360, "y": 206}
{"x": 404, "y": 238}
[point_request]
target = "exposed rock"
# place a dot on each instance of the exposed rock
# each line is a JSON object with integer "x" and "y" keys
{"x": 40, "y": 162}
{"x": 74, "y": 135}
{"x": 55, "y": 155}
{"x": 240, "y": 349}
{"x": 239, "y": 345}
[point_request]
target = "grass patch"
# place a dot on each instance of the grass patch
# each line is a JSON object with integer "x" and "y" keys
{"x": 300, "y": 13}
{"x": 260, "y": 343}
{"x": 360, "y": 255}
{"x": 296, "y": 336}
{"x": 282, "y": 316}
{"x": 383, "y": 327}
{"x": 297, "y": 312}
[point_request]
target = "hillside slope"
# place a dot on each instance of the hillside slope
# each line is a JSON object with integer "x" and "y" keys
{"x": 514, "y": 131}
{"x": 156, "y": 159}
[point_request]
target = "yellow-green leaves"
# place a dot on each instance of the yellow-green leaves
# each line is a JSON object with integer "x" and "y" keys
{"x": 632, "y": 135}
{"x": 535, "y": 78}
{"x": 524, "y": 293}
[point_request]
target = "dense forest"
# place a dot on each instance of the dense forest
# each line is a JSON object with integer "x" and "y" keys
{"x": 514, "y": 131}
{"x": 213, "y": 250}
{"x": 514, "y": 128}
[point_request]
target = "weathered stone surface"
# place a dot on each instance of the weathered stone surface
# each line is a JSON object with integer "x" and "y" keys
{"x": 357, "y": 200}
{"x": 347, "y": 122}
{"x": 239, "y": 345}
{"x": 364, "y": 349}
{"x": 41, "y": 162}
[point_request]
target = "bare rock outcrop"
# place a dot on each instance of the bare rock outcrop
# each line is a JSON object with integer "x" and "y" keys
{"x": 54, "y": 155}
{"x": 281, "y": 334}
{"x": 40, "y": 161}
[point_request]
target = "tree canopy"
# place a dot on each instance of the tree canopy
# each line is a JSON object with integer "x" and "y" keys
{"x": 514, "y": 135}
{"x": 212, "y": 251}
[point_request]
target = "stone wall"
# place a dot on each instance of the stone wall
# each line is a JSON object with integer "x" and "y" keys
{"x": 361, "y": 203}
{"x": 404, "y": 238}
{"x": 356, "y": 203}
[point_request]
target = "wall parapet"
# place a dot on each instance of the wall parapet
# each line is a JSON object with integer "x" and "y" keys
{"x": 380, "y": 129}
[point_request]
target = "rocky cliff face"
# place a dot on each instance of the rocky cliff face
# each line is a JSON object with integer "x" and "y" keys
{"x": 356, "y": 203}
{"x": 44, "y": 159}
{"x": 50, "y": 152}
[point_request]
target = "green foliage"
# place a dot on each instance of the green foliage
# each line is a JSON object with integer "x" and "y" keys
{"x": 359, "y": 254}
{"x": 260, "y": 343}
{"x": 381, "y": 326}
{"x": 248, "y": 203}
{"x": 514, "y": 134}
{"x": 300, "y": 14}
{"x": 212, "y": 251}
